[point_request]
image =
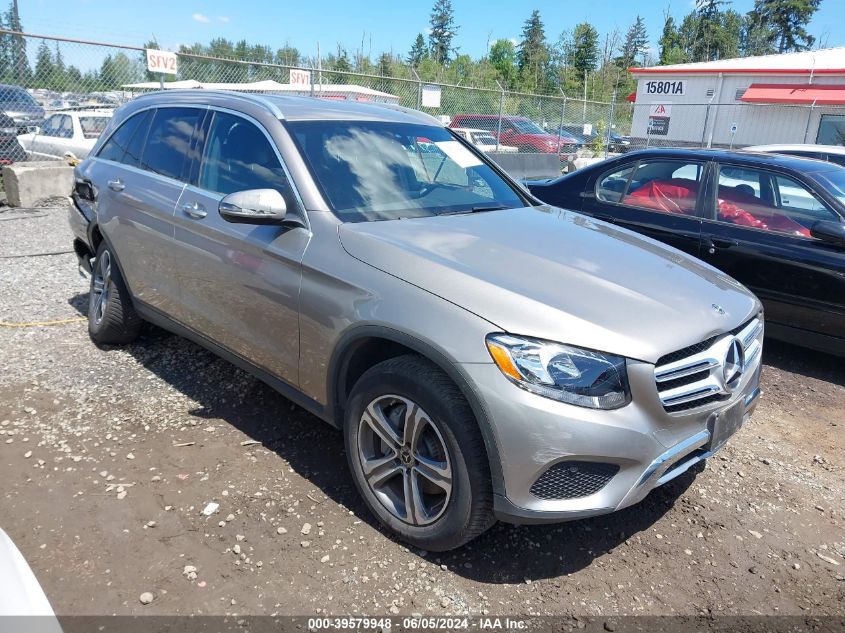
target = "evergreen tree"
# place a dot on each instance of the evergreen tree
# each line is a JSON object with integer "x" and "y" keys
{"x": 443, "y": 31}
{"x": 709, "y": 29}
{"x": 758, "y": 37}
{"x": 17, "y": 46}
{"x": 532, "y": 57}
{"x": 788, "y": 19}
{"x": 671, "y": 50}
{"x": 418, "y": 51}
{"x": 585, "y": 51}
{"x": 44, "y": 67}
{"x": 634, "y": 45}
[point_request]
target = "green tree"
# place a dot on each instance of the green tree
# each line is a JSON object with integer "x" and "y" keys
{"x": 584, "y": 55}
{"x": 44, "y": 67}
{"x": 709, "y": 26}
{"x": 117, "y": 70}
{"x": 502, "y": 57}
{"x": 418, "y": 51}
{"x": 671, "y": 49}
{"x": 788, "y": 18}
{"x": 532, "y": 56}
{"x": 634, "y": 45}
{"x": 758, "y": 37}
{"x": 20, "y": 70}
{"x": 443, "y": 31}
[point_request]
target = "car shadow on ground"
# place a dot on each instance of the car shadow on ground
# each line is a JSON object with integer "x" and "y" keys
{"x": 504, "y": 554}
{"x": 803, "y": 361}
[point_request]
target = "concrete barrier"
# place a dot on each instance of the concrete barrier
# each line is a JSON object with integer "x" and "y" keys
{"x": 528, "y": 166}
{"x": 27, "y": 184}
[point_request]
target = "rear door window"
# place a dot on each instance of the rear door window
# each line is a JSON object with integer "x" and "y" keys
{"x": 168, "y": 141}
{"x": 115, "y": 147}
{"x": 666, "y": 186}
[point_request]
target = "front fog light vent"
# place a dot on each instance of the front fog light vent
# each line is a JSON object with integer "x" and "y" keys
{"x": 571, "y": 480}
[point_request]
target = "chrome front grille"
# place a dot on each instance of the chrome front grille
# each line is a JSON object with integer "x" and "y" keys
{"x": 707, "y": 371}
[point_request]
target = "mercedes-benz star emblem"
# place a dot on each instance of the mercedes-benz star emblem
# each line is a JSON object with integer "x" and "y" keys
{"x": 733, "y": 365}
{"x": 719, "y": 309}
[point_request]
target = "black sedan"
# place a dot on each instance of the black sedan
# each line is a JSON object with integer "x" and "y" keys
{"x": 775, "y": 223}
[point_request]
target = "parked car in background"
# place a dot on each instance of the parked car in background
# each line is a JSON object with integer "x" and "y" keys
{"x": 19, "y": 105}
{"x": 830, "y": 153}
{"x": 483, "y": 140}
{"x": 10, "y": 149}
{"x": 775, "y": 223}
{"x": 616, "y": 143}
{"x": 485, "y": 354}
{"x": 66, "y": 135}
{"x": 519, "y": 132}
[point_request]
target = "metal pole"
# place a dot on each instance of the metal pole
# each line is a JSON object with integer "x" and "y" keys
{"x": 809, "y": 119}
{"x": 609, "y": 125}
{"x": 419, "y": 88}
{"x": 161, "y": 81}
{"x": 560, "y": 127}
{"x": 704, "y": 129}
{"x": 501, "y": 112}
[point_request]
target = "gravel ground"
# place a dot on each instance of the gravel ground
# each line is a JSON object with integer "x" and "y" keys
{"x": 109, "y": 457}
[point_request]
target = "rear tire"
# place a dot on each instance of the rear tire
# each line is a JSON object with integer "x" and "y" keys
{"x": 112, "y": 319}
{"x": 417, "y": 456}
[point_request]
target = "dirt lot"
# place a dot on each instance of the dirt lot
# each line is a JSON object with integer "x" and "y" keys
{"x": 108, "y": 457}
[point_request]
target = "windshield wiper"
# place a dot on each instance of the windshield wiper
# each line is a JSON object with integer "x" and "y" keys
{"x": 488, "y": 207}
{"x": 477, "y": 209}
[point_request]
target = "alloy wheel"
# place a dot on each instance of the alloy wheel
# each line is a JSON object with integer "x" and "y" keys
{"x": 100, "y": 287}
{"x": 404, "y": 460}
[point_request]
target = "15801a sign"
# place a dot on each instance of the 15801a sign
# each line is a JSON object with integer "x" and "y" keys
{"x": 665, "y": 87}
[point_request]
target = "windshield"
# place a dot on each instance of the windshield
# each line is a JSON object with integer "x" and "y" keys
{"x": 371, "y": 171}
{"x": 528, "y": 127}
{"x": 835, "y": 183}
{"x": 17, "y": 96}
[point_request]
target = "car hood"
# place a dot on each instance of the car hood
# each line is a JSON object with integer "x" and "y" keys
{"x": 559, "y": 275}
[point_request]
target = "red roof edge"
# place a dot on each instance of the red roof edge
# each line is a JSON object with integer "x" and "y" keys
{"x": 660, "y": 70}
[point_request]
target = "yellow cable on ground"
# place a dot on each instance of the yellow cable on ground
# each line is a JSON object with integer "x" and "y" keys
{"x": 43, "y": 323}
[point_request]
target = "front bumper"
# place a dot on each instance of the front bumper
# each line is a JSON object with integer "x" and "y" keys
{"x": 648, "y": 445}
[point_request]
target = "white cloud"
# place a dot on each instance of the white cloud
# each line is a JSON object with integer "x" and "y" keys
{"x": 223, "y": 18}
{"x": 199, "y": 17}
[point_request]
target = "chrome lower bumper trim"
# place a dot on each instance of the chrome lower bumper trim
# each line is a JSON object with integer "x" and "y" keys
{"x": 671, "y": 456}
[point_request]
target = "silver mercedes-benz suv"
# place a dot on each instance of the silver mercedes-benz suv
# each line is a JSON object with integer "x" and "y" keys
{"x": 487, "y": 356}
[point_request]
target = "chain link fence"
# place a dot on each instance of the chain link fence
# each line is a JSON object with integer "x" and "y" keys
{"x": 45, "y": 80}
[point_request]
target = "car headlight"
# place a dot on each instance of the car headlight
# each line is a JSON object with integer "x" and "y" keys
{"x": 562, "y": 372}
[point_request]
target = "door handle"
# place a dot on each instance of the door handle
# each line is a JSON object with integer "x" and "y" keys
{"x": 116, "y": 185}
{"x": 718, "y": 243}
{"x": 195, "y": 210}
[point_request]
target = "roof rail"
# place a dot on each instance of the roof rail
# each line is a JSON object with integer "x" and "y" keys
{"x": 259, "y": 99}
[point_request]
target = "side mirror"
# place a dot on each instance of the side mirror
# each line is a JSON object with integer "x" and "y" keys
{"x": 829, "y": 231}
{"x": 33, "y": 129}
{"x": 253, "y": 206}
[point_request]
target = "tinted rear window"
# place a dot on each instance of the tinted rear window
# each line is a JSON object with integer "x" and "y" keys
{"x": 169, "y": 140}
{"x": 115, "y": 147}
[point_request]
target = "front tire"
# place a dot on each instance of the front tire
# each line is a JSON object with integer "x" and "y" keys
{"x": 112, "y": 319}
{"x": 417, "y": 455}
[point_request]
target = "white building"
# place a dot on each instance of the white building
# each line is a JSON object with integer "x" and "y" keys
{"x": 790, "y": 98}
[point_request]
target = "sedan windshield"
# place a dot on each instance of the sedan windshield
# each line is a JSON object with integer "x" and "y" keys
{"x": 528, "y": 127}
{"x": 834, "y": 182}
{"x": 370, "y": 171}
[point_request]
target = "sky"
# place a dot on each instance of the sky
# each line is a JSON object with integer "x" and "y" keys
{"x": 382, "y": 25}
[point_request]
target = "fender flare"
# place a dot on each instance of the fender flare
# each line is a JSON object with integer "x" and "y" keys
{"x": 339, "y": 363}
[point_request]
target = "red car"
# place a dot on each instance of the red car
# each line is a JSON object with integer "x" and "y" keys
{"x": 520, "y": 132}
